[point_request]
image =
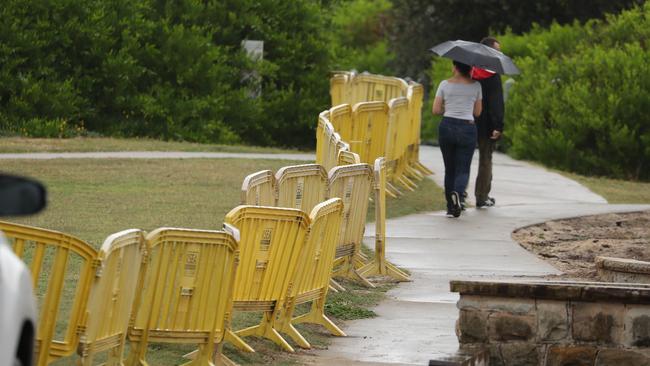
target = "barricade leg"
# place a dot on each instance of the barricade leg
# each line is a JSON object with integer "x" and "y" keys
{"x": 316, "y": 315}
{"x": 419, "y": 166}
{"x": 137, "y": 353}
{"x": 265, "y": 329}
{"x": 406, "y": 183}
{"x": 335, "y": 286}
{"x": 236, "y": 341}
{"x": 413, "y": 173}
{"x": 392, "y": 191}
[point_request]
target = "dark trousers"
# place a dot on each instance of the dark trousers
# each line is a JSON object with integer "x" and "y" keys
{"x": 457, "y": 139}
{"x": 484, "y": 178}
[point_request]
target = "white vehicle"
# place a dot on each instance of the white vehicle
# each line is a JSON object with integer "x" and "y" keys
{"x": 17, "y": 304}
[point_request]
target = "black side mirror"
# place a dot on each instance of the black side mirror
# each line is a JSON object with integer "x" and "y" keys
{"x": 20, "y": 196}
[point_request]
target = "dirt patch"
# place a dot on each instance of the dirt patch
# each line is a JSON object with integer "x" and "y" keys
{"x": 572, "y": 245}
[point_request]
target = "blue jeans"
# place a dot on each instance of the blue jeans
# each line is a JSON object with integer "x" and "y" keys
{"x": 457, "y": 139}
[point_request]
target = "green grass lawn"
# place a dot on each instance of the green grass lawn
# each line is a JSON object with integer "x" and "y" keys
{"x": 615, "y": 190}
{"x": 93, "y": 198}
{"x": 95, "y": 144}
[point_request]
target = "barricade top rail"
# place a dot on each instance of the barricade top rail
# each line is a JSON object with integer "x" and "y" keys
{"x": 112, "y": 296}
{"x": 301, "y": 170}
{"x": 48, "y": 254}
{"x": 377, "y": 106}
{"x": 258, "y": 188}
{"x": 397, "y": 102}
{"x": 349, "y": 170}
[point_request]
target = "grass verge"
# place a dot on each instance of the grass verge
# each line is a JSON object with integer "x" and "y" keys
{"x": 97, "y": 144}
{"x": 614, "y": 190}
{"x": 92, "y": 198}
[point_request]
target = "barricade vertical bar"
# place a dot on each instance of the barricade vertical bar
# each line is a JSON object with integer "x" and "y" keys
{"x": 379, "y": 265}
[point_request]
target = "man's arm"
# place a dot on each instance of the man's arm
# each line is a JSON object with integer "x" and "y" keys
{"x": 496, "y": 107}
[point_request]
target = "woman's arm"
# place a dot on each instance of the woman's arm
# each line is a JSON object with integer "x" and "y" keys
{"x": 438, "y": 107}
{"x": 478, "y": 107}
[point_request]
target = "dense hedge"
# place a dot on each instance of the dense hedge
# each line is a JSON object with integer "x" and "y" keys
{"x": 582, "y": 100}
{"x": 171, "y": 70}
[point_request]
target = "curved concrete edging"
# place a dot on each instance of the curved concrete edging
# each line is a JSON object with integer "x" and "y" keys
{"x": 417, "y": 321}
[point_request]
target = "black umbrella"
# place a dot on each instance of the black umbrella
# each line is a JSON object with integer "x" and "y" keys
{"x": 476, "y": 54}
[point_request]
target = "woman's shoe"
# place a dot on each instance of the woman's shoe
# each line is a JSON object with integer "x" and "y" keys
{"x": 456, "y": 208}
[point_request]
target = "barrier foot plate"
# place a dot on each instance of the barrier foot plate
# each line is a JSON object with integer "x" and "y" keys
{"x": 419, "y": 166}
{"x": 236, "y": 341}
{"x": 403, "y": 182}
{"x": 316, "y": 316}
{"x": 265, "y": 329}
{"x": 413, "y": 173}
{"x": 337, "y": 286}
{"x": 389, "y": 269}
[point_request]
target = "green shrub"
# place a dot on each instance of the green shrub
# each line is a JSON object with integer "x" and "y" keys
{"x": 162, "y": 69}
{"x": 580, "y": 104}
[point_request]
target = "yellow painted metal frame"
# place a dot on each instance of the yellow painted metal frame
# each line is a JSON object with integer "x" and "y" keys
{"x": 271, "y": 241}
{"x": 398, "y": 124}
{"x": 111, "y": 297}
{"x": 351, "y": 183}
{"x": 64, "y": 246}
{"x": 185, "y": 293}
{"x": 313, "y": 272}
{"x": 259, "y": 189}
{"x": 370, "y": 121}
{"x": 379, "y": 265}
{"x": 301, "y": 186}
{"x": 340, "y": 117}
{"x": 348, "y": 158}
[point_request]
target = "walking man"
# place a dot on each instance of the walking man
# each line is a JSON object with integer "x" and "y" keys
{"x": 489, "y": 127}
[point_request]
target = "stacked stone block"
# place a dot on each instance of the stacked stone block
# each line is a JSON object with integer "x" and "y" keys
{"x": 544, "y": 323}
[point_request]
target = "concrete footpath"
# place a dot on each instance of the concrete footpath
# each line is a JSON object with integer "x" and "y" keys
{"x": 416, "y": 323}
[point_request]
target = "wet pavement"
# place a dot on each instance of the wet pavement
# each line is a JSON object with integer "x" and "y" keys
{"x": 417, "y": 321}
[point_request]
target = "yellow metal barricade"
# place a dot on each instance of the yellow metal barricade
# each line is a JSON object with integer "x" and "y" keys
{"x": 379, "y": 265}
{"x": 259, "y": 189}
{"x": 328, "y": 142}
{"x": 270, "y": 244}
{"x": 314, "y": 271}
{"x": 322, "y": 136}
{"x": 111, "y": 297}
{"x": 339, "y": 89}
{"x": 62, "y": 268}
{"x": 370, "y": 120}
{"x": 351, "y": 183}
{"x": 341, "y": 119}
{"x": 186, "y": 292}
{"x": 415, "y": 96}
{"x": 301, "y": 186}
{"x": 398, "y": 122}
{"x": 348, "y": 157}
{"x": 368, "y": 88}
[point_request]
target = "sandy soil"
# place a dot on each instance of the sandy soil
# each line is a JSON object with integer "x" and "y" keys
{"x": 572, "y": 245}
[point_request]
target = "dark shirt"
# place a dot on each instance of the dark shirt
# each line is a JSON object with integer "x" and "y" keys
{"x": 491, "y": 117}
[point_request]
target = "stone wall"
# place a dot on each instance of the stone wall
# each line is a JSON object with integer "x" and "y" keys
{"x": 555, "y": 323}
{"x": 622, "y": 270}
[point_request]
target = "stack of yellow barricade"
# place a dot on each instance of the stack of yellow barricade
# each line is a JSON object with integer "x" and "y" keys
{"x": 361, "y": 103}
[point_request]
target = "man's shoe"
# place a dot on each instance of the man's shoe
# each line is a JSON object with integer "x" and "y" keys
{"x": 456, "y": 207}
{"x": 487, "y": 203}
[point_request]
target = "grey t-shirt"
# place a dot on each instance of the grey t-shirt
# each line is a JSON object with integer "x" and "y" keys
{"x": 458, "y": 99}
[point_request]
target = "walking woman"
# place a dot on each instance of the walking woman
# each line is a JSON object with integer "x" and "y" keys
{"x": 458, "y": 99}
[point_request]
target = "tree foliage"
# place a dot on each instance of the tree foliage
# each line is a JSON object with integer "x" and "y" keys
{"x": 581, "y": 102}
{"x": 417, "y": 25}
{"x": 163, "y": 69}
